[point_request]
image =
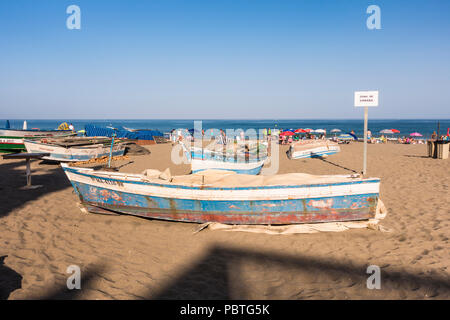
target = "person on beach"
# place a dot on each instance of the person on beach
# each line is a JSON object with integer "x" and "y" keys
{"x": 71, "y": 127}
{"x": 434, "y": 135}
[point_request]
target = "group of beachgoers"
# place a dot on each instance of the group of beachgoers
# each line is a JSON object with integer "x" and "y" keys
{"x": 409, "y": 140}
{"x": 446, "y": 137}
{"x": 222, "y": 138}
{"x": 290, "y": 139}
{"x": 270, "y": 134}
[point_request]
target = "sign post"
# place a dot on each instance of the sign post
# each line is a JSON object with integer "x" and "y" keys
{"x": 366, "y": 99}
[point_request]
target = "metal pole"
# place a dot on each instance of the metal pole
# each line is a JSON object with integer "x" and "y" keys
{"x": 111, "y": 151}
{"x": 366, "y": 111}
{"x": 438, "y": 129}
{"x": 28, "y": 172}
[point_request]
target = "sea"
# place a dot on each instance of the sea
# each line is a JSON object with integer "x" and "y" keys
{"x": 405, "y": 126}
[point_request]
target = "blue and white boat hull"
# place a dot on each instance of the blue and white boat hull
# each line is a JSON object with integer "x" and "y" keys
{"x": 244, "y": 201}
{"x": 252, "y": 168}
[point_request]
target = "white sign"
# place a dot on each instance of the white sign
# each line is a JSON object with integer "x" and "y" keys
{"x": 366, "y": 98}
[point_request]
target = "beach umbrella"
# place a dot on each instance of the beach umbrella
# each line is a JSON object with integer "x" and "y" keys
{"x": 387, "y": 131}
{"x": 346, "y": 137}
{"x": 395, "y": 131}
{"x": 415, "y": 134}
{"x": 320, "y": 131}
{"x": 335, "y": 131}
{"x": 287, "y": 133}
{"x": 352, "y": 135}
{"x": 308, "y": 130}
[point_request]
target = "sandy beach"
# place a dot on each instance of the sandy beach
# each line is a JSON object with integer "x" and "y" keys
{"x": 43, "y": 231}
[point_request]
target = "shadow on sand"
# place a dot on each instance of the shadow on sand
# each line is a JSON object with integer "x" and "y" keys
{"x": 10, "y": 280}
{"x": 220, "y": 267}
{"x": 88, "y": 277}
{"x": 414, "y": 156}
{"x": 336, "y": 165}
{"x": 14, "y": 178}
{"x": 218, "y": 275}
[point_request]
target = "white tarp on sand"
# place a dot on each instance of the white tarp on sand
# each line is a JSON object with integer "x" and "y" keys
{"x": 306, "y": 228}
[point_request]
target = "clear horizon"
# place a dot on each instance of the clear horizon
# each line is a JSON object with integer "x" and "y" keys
{"x": 223, "y": 60}
{"x": 234, "y": 119}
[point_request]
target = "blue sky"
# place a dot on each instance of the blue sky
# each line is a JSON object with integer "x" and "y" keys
{"x": 223, "y": 59}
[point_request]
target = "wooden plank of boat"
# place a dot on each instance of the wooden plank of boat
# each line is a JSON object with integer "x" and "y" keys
{"x": 214, "y": 196}
{"x": 74, "y": 153}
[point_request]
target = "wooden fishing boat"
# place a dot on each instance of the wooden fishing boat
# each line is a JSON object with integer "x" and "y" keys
{"x": 312, "y": 149}
{"x": 252, "y": 167}
{"x": 239, "y": 161}
{"x": 227, "y": 197}
{"x": 11, "y": 140}
{"x": 67, "y": 150}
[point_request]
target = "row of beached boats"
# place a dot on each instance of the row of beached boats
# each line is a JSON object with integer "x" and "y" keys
{"x": 224, "y": 186}
{"x": 62, "y": 145}
{"x": 12, "y": 140}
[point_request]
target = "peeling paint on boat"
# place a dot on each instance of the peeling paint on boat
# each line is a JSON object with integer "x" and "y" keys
{"x": 289, "y": 204}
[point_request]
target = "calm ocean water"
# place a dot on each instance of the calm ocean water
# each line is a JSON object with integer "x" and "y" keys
{"x": 425, "y": 127}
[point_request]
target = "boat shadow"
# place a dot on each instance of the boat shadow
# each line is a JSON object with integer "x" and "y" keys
{"x": 14, "y": 179}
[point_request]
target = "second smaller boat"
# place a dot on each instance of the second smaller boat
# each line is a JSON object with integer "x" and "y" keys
{"x": 313, "y": 149}
{"x": 74, "y": 150}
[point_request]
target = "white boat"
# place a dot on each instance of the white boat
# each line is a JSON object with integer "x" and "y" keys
{"x": 240, "y": 163}
{"x": 73, "y": 153}
{"x": 253, "y": 167}
{"x": 312, "y": 149}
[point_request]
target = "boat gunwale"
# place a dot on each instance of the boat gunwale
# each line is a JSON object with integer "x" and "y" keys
{"x": 107, "y": 176}
{"x": 119, "y": 145}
